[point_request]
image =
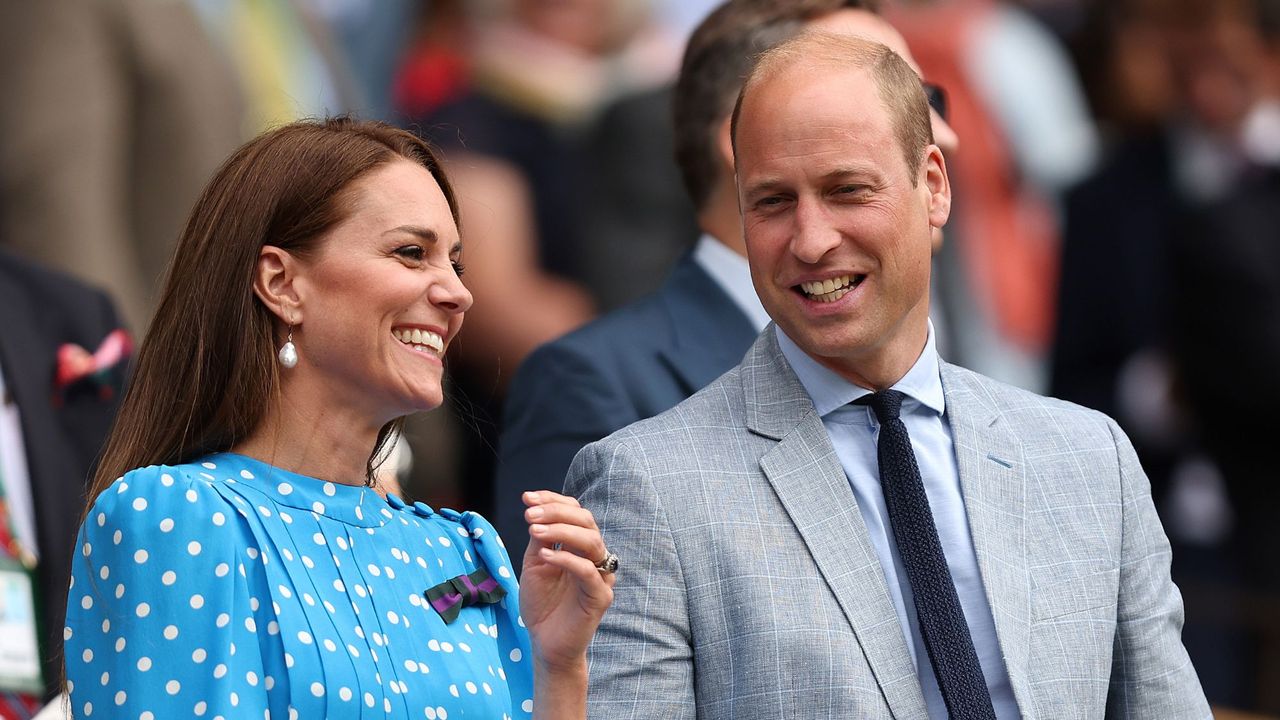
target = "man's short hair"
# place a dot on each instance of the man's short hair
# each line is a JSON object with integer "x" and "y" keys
{"x": 899, "y": 86}
{"x": 719, "y": 55}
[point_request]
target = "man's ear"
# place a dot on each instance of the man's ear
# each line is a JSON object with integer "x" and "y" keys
{"x": 938, "y": 185}
{"x": 274, "y": 283}
{"x": 724, "y": 143}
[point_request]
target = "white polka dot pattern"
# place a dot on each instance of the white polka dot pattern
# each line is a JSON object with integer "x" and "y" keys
{"x": 231, "y": 588}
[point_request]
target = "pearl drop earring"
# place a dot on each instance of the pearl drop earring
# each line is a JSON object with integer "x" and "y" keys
{"x": 288, "y": 352}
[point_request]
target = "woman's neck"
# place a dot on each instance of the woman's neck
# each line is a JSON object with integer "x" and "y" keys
{"x": 314, "y": 439}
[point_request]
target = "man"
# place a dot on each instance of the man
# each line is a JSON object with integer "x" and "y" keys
{"x": 772, "y": 528}
{"x": 57, "y": 402}
{"x": 645, "y": 358}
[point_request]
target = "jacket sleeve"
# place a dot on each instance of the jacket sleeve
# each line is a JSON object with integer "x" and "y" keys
{"x": 641, "y": 660}
{"x": 560, "y": 400}
{"x": 1151, "y": 673}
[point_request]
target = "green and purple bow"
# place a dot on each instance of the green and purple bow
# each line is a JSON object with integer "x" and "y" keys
{"x": 449, "y": 597}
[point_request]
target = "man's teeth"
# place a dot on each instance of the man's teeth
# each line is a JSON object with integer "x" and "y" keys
{"x": 828, "y": 290}
{"x": 420, "y": 339}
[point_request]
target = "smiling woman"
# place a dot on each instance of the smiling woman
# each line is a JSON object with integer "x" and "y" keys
{"x": 236, "y": 560}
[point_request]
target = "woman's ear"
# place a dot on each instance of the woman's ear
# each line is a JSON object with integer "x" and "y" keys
{"x": 273, "y": 283}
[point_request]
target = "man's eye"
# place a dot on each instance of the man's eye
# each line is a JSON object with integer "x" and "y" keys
{"x": 411, "y": 252}
{"x": 855, "y": 192}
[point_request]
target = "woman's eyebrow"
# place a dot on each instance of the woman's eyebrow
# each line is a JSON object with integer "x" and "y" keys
{"x": 426, "y": 234}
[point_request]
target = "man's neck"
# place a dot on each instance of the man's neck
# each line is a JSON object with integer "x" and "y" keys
{"x": 879, "y": 368}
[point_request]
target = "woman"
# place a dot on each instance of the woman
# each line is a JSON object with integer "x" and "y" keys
{"x": 235, "y": 562}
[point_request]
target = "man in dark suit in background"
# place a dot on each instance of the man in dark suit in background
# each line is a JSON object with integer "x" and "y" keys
{"x": 648, "y": 356}
{"x": 57, "y": 405}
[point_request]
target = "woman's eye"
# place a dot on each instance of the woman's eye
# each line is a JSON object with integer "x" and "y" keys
{"x": 411, "y": 252}
{"x": 458, "y": 267}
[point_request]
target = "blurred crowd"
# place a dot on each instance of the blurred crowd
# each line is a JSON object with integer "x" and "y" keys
{"x": 1115, "y": 242}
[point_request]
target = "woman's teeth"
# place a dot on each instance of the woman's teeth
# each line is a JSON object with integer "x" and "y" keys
{"x": 832, "y": 289}
{"x": 420, "y": 340}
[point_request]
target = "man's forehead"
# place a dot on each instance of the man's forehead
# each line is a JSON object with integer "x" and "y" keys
{"x": 816, "y": 95}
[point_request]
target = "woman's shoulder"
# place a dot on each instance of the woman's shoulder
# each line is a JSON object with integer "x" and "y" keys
{"x": 158, "y": 496}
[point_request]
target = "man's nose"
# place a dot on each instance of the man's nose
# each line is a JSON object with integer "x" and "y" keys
{"x": 815, "y": 234}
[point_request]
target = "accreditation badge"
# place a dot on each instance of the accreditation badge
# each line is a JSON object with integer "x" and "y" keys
{"x": 20, "y": 670}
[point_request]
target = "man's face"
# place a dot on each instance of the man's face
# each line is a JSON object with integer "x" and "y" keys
{"x": 837, "y": 236}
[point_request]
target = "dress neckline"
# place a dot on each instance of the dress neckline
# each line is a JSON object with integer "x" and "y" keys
{"x": 351, "y": 504}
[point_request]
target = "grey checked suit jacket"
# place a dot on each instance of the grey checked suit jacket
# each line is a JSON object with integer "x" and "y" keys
{"x": 749, "y": 587}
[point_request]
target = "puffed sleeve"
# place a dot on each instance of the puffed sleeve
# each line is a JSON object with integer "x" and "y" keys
{"x": 161, "y": 614}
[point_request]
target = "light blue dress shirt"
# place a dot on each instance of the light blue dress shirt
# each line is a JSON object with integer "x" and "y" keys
{"x": 853, "y": 430}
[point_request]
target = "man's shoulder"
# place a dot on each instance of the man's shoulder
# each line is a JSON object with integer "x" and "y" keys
{"x": 1030, "y": 414}
{"x": 700, "y": 419}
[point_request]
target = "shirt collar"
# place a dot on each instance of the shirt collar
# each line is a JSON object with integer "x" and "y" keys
{"x": 732, "y": 273}
{"x": 829, "y": 391}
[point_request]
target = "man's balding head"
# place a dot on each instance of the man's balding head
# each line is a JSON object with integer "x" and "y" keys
{"x": 824, "y": 53}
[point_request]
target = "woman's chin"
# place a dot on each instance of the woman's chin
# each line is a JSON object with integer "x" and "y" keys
{"x": 424, "y": 401}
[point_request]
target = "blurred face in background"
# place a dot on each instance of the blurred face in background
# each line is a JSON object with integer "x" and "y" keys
{"x": 596, "y": 27}
{"x": 1217, "y": 58}
{"x": 873, "y": 27}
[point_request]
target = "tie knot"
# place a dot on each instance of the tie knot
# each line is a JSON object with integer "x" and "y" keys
{"x": 887, "y": 404}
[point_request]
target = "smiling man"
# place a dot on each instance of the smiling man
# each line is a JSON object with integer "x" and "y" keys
{"x": 844, "y": 525}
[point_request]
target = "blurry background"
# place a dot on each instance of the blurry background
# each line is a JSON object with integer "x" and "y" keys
{"x": 1116, "y": 238}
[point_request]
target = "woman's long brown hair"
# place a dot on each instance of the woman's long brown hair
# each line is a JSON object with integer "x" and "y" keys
{"x": 206, "y": 371}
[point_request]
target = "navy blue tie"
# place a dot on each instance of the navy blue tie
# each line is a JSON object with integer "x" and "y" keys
{"x": 942, "y": 623}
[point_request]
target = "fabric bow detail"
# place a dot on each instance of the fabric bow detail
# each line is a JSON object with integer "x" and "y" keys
{"x": 449, "y": 597}
{"x": 75, "y": 364}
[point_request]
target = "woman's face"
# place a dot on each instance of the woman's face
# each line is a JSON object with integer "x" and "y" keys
{"x": 381, "y": 299}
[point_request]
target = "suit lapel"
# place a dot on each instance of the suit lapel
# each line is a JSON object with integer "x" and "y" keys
{"x": 709, "y": 332}
{"x": 805, "y": 472}
{"x": 993, "y": 482}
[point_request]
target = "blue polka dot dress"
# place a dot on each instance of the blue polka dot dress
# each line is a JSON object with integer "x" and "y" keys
{"x": 229, "y": 588}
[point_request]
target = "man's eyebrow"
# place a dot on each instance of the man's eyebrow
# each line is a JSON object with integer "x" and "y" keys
{"x": 851, "y": 170}
{"x": 425, "y": 234}
{"x": 765, "y": 185}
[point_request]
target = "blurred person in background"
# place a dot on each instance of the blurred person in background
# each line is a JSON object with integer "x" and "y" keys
{"x": 1015, "y": 98}
{"x": 63, "y": 359}
{"x": 435, "y": 69}
{"x": 371, "y": 38}
{"x": 539, "y": 69}
{"x": 635, "y": 210}
{"x": 114, "y": 114}
{"x": 645, "y": 358}
{"x": 1167, "y": 334}
{"x": 1225, "y": 351}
